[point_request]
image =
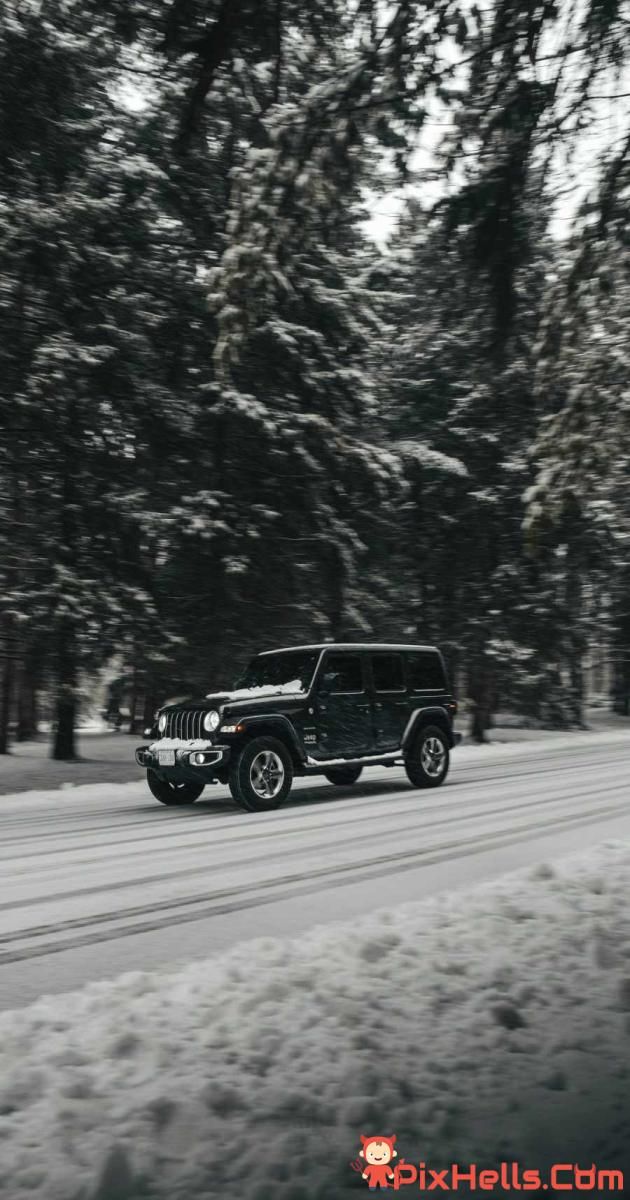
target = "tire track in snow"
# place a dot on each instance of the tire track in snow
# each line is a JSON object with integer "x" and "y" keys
{"x": 255, "y": 828}
{"x": 230, "y": 900}
{"x": 423, "y": 827}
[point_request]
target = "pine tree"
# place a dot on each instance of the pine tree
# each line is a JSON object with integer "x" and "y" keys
{"x": 76, "y": 345}
{"x": 181, "y": 478}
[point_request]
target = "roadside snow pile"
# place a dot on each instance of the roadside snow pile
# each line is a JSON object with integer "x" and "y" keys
{"x": 488, "y": 1026}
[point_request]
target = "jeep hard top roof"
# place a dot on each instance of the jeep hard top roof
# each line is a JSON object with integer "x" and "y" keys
{"x": 350, "y": 646}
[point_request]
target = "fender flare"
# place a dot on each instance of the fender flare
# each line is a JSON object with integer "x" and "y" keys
{"x": 282, "y": 724}
{"x": 422, "y": 716}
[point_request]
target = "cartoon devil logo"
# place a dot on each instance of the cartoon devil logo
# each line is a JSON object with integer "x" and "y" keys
{"x": 378, "y": 1153}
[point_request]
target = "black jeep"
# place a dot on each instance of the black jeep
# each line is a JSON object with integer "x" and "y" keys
{"x": 325, "y": 710}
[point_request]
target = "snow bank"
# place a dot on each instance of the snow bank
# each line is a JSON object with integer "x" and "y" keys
{"x": 493, "y": 1026}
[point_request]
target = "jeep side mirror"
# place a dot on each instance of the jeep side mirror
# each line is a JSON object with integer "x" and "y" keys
{"x": 328, "y": 682}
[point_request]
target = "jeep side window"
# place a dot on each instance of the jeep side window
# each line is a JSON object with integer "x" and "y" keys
{"x": 387, "y": 673}
{"x": 425, "y": 672}
{"x": 348, "y": 669}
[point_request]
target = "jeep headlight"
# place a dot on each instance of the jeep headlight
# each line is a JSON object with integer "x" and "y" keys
{"x": 211, "y": 720}
{"x": 162, "y": 722}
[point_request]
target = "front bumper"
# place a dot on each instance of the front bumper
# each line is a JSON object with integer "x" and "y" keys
{"x": 190, "y": 763}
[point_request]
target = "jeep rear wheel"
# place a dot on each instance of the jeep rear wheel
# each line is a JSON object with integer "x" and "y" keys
{"x": 343, "y": 775}
{"x": 427, "y": 760}
{"x": 261, "y": 774}
{"x": 171, "y": 793}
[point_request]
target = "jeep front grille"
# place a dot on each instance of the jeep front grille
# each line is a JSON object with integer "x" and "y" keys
{"x": 186, "y": 725}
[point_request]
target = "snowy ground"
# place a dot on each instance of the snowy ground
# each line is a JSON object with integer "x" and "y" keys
{"x": 106, "y": 757}
{"x": 488, "y": 1027}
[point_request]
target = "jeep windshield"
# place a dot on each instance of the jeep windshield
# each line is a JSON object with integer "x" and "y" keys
{"x": 290, "y": 671}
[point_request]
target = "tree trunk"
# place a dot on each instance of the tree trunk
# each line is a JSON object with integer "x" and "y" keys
{"x": 577, "y": 685}
{"x": 66, "y": 649}
{"x": 621, "y": 686}
{"x": 150, "y": 705}
{"x": 64, "y": 744}
{"x": 576, "y": 561}
{"x": 277, "y": 69}
{"x": 479, "y": 723}
{"x": 335, "y": 607}
{"x": 6, "y": 686}
{"x": 212, "y": 49}
{"x": 619, "y": 656}
{"x": 133, "y": 701}
{"x": 27, "y": 699}
{"x": 480, "y": 690}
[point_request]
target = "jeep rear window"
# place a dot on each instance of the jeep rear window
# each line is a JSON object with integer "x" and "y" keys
{"x": 280, "y": 670}
{"x": 425, "y": 672}
{"x": 387, "y": 671}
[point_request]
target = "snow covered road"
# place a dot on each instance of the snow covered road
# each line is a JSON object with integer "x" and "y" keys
{"x": 99, "y": 879}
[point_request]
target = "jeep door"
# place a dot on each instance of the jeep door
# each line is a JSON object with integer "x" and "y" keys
{"x": 343, "y": 714}
{"x": 389, "y": 698}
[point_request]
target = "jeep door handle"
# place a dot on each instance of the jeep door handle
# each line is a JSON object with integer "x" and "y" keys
{"x": 363, "y": 707}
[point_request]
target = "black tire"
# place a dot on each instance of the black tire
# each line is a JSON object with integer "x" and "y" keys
{"x": 248, "y": 767}
{"x": 173, "y": 794}
{"x": 426, "y": 764}
{"x": 343, "y": 776}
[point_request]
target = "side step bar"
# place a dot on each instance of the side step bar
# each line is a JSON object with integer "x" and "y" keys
{"x": 373, "y": 760}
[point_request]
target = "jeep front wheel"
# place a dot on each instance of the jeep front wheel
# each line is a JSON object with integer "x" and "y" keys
{"x": 173, "y": 794}
{"x": 343, "y": 775}
{"x": 427, "y": 760}
{"x": 261, "y": 774}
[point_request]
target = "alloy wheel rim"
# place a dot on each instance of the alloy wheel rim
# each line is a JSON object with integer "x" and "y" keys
{"x": 266, "y": 774}
{"x": 433, "y": 756}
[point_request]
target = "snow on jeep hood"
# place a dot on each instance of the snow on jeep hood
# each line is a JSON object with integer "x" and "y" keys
{"x": 292, "y": 688}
